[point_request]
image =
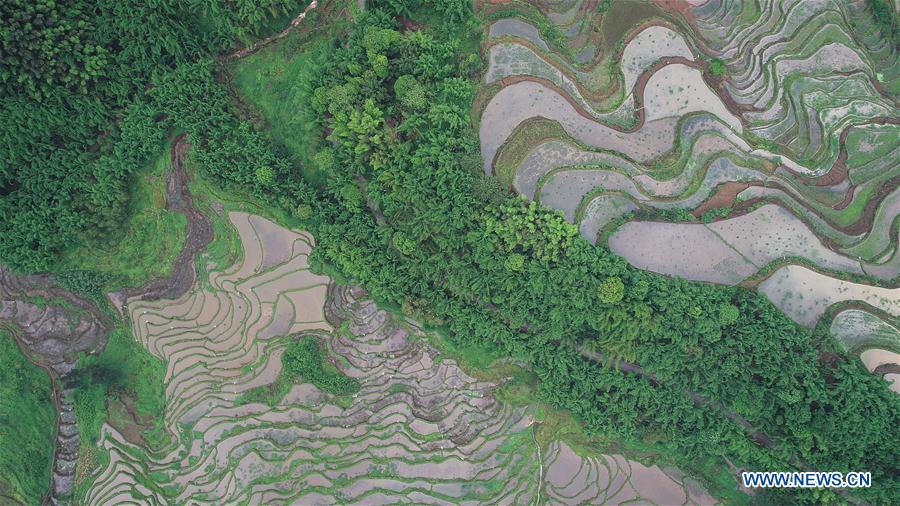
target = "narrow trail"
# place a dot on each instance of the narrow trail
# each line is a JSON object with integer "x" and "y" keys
{"x": 240, "y": 53}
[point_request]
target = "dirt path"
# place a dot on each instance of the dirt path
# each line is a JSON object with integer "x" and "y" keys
{"x": 240, "y": 53}
{"x": 199, "y": 234}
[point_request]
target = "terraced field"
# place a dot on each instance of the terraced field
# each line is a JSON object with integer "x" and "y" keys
{"x": 773, "y": 121}
{"x": 418, "y": 430}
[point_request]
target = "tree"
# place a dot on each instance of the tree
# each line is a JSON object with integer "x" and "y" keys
{"x": 728, "y": 314}
{"x": 611, "y": 290}
{"x": 410, "y": 93}
{"x": 514, "y": 262}
{"x": 265, "y": 175}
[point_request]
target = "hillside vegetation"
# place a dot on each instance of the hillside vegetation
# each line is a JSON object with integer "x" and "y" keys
{"x": 27, "y": 425}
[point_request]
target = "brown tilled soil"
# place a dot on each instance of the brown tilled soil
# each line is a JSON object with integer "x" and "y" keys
{"x": 724, "y": 197}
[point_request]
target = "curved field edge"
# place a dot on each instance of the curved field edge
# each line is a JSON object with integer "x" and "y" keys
{"x": 507, "y": 161}
{"x": 539, "y": 130}
{"x": 535, "y": 130}
{"x": 511, "y": 152}
{"x": 131, "y": 398}
{"x": 541, "y": 421}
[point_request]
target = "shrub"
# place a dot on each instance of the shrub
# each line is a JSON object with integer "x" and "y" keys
{"x": 514, "y": 262}
{"x": 717, "y": 68}
{"x": 404, "y": 244}
{"x": 488, "y": 189}
{"x": 265, "y": 176}
{"x": 303, "y": 212}
{"x": 712, "y": 214}
{"x": 324, "y": 159}
{"x": 351, "y": 197}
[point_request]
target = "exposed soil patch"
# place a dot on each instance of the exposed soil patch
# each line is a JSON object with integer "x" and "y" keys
{"x": 409, "y": 25}
{"x": 848, "y": 198}
{"x": 883, "y": 369}
{"x": 724, "y": 197}
{"x": 682, "y": 7}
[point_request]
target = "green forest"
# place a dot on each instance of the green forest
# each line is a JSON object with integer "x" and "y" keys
{"x": 380, "y": 161}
